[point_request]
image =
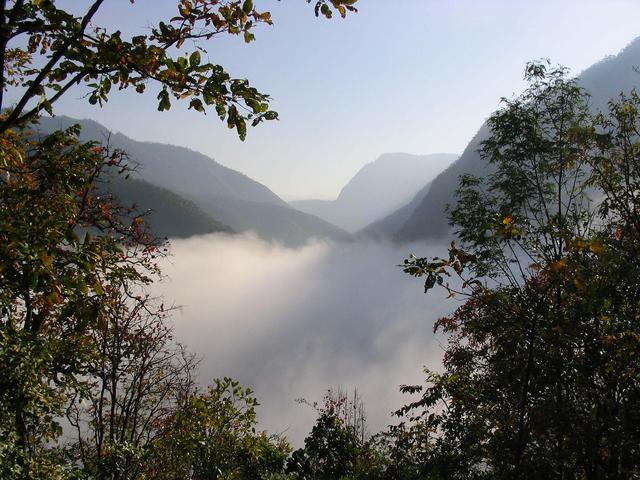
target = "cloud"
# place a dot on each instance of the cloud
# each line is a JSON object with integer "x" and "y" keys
{"x": 291, "y": 323}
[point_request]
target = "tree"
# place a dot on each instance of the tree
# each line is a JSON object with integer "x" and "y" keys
{"x": 540, "y": 375}
{"x": 137, "y": 382}
{"x": 338, "y": 445}
{"x": 214, "y": 437}
{"x": 64, "y": 50}
{"x": 69, "y": 256}
{"x": 62, "y": 248}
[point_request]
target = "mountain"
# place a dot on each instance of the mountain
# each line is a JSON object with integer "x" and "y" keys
{"x": 165, "y": 165}
{"x": 228, "y": 196}
{"x": 169, "y": 214}
{"x": 378, "y": 189}
{"x": 386, "y": 227}
{"x": 271, "y": 222}
{"x": 442, "y": 188}
{"x": 427, "y": 220}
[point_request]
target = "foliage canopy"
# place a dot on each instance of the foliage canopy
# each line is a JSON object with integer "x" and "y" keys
{"x": 45, "y": 50}
{"x": 541, "y": 370}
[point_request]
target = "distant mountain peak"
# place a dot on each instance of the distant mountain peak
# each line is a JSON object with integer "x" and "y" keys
{"x": 378, "y": 188}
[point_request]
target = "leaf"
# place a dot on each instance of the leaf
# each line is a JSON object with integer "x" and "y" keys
{"x": 194, "y": 59}
{"x": 97, "y": 287}
{"x": 196, "y": 104}
{"x": 271, "y": 115}
{"x": 558, "y": 265}
{"x": 106, "y": 85}
{"x": 165, "y": 103}
{"x": 47, "y": 260}
{"x": 596, "y": 247}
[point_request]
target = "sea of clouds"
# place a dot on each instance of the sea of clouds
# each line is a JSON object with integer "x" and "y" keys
{"x": 293, "y": 322}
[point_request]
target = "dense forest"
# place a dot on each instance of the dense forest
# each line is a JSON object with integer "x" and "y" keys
{"x": 541, "y": 368}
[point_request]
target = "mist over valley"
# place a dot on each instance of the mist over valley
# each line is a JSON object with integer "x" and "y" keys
{"x": 294, "y": 322}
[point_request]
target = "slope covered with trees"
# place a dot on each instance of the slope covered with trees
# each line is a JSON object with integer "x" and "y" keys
{"x": 225, "y": 195}
{"x": 604, "y": 81}
{"x": 168, "y": 214}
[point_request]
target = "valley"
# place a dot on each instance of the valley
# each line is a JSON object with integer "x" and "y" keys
{"x": 376, "y": 242}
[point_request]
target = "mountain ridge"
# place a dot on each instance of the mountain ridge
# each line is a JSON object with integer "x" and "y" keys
{"x": 428, "y": 221}
{"x": 243, "y": 203}
{"x": 377, "y": 189}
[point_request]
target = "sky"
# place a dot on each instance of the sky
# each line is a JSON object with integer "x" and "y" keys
{"x": 415, "y": 76}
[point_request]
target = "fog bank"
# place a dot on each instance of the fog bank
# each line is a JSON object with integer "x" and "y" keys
{"x": 292, "y": 323}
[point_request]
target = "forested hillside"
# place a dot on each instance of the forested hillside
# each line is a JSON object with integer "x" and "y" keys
{"x": 604, "y": 81}
{"x": 228, "y": 197}
{"x": 168, "y": 214}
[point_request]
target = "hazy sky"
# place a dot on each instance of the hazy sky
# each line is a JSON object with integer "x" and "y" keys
{"x": 417, "y": 76}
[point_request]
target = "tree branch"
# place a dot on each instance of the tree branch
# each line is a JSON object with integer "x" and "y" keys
{"x": 36, "y": 84}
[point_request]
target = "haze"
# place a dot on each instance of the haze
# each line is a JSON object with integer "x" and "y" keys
{"x": 293, "y": 322}
{"x": 416, "y": 76}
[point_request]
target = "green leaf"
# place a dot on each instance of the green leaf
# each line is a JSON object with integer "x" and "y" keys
{"x": 194, "y": 59}
{"x": 249, "y": 37}
{"x": 271, "y": 115}
{"x": 165, "y": 103}
{"x": 106, "y": 85}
